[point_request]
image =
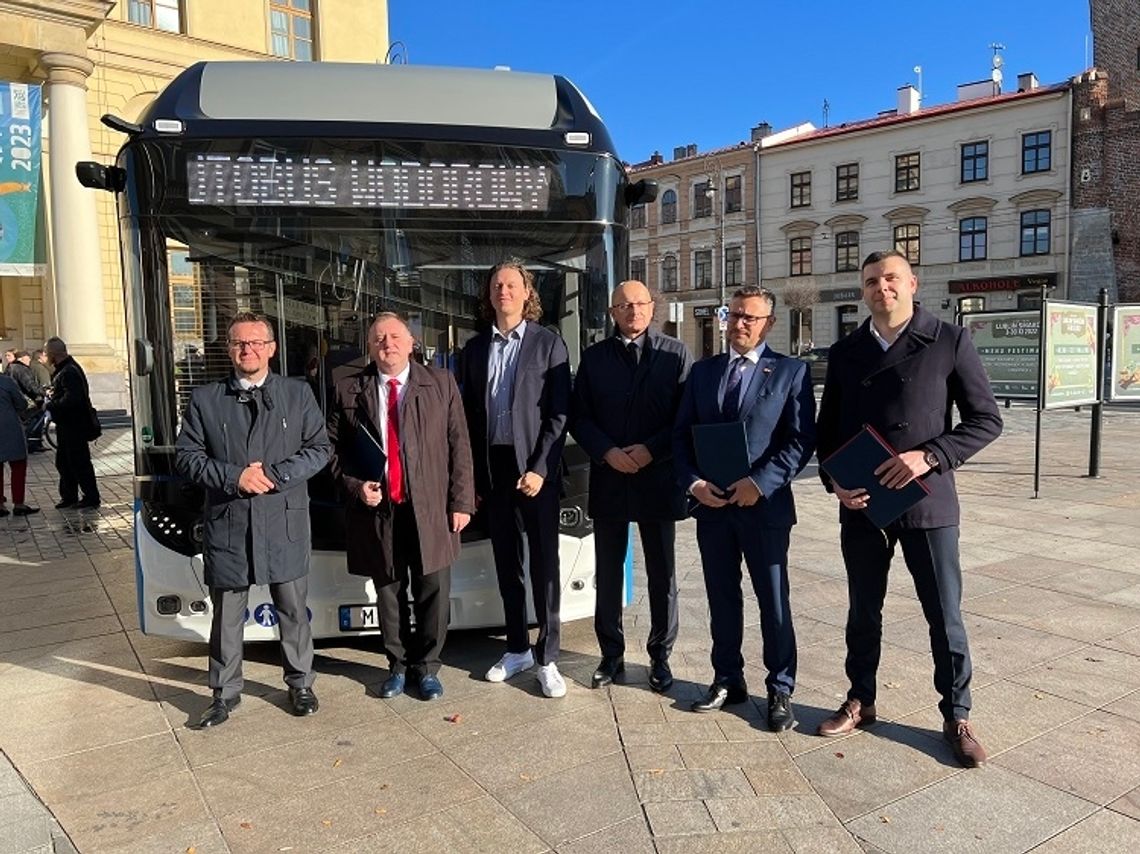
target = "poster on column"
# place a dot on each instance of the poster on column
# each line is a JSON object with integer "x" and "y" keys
{"x": 1125, "y": 353}
{"x": 19, "y": 178}
{"x": 1071, "y": 354}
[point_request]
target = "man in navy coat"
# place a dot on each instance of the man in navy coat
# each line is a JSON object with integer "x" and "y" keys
{"x": 626, "y": 395}
{"x": 516, "y": 393}
{"x": 752, "y": 519}
{"x": 903, "y": 372}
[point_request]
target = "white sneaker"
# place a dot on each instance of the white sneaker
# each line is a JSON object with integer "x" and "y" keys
{"x": 551, "y": 680}
{"x": 509, "y": 665}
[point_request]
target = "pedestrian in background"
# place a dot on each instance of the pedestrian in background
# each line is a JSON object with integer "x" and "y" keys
{"x": 42, "y": 368}
{"x": 76, "y": 424}
{"x": 13, "y": 447}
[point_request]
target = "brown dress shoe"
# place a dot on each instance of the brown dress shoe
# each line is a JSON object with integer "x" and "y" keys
{"x": 847, "y": 717}
{"x": 967, "y": 749}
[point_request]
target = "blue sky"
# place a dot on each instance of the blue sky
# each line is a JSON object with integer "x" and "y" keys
{"x": 673, "y": 72}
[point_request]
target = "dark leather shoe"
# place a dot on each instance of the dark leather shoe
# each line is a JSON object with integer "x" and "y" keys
{"x": 780, "y": 716}
{"x": 24, "y": 510}
{"x": 847, "y": 717}
{"x": 87, "y": 504}
{"x": 393, "y": 686}
{"x": 720, "y": 694}
{"x": 218, "y": 712}
{"x": 660, "y": 676}
{"x": 66, "y": 505}
{"x": 607, "y": 670}
{"x": 430, "y": 687}
{"x": 303, "y": 701}
{"x": 967, "y": 750}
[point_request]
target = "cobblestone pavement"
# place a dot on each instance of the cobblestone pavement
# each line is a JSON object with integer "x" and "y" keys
{"x": 94, "y": 728}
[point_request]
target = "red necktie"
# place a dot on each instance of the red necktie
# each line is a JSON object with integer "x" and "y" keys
{"x": 395, "y": 467}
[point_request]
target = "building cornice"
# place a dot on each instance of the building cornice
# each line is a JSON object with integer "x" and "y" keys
{"x": 845, "y": 220}
{"x": 799, "y": 226}
{"x": 1033, "y": 197}
{"x": 906, "y": 212}
{"x": 88, "y": 14}
{"x": 974, "y": 203}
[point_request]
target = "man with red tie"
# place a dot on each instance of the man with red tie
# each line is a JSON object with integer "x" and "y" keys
{"x": 402, "y": 453}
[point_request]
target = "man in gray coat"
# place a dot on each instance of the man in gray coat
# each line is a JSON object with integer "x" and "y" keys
{"x": 252, "y": 441}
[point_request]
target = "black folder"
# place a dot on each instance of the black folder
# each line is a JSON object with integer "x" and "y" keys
{"x": 722, "y": 452}
{"x": 370, "y": 457}
{"x": 853, "y": 467}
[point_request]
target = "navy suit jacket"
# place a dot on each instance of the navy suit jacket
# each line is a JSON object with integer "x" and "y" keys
{"x": 908, "y": 393}
{"x": 779, "y": 421}
{"x": 540, "y": 403}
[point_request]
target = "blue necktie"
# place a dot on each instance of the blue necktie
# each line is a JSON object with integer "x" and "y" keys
{"x": 730, "y": 409}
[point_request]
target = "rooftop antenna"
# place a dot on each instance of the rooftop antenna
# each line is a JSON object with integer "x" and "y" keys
{"x": 826, "y": 111}
{"x": 918, "y": 71}
{"x": 997, "y": 62}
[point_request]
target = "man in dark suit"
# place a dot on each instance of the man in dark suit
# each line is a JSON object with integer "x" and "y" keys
{"x": 902, "y": 372}
{"x": 516, "y": 392}
{"x": 753, "y": 517}
{"x": 626, "y": 395}
{"x": 69, "y": 403}
{"x": 401, "y": 450}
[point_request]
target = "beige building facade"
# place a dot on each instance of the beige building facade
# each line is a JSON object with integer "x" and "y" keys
{"x": 93, "y": 57}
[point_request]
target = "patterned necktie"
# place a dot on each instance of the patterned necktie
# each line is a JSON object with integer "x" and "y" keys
{"x": 634, "y": 350}
{"x": 395, "y": 466}
{"x": 730, "y": 409}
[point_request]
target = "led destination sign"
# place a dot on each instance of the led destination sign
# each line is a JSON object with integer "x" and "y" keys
{"x": 347, "y": 181}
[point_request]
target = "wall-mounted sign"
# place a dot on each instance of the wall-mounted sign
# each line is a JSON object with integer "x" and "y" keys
{"x": 1001, "y": 283}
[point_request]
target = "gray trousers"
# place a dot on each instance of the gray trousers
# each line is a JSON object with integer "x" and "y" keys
{"x": 228, "y": 626}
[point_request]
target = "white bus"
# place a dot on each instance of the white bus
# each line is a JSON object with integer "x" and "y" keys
{"x": 319, "y": 194}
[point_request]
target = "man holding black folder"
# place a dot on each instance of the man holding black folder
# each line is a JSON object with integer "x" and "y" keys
{"x": 745, "y": 429}
{"x": 902, "y": 373}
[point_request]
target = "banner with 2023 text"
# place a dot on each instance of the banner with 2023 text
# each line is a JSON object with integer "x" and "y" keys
{"x": 19, "y": 178}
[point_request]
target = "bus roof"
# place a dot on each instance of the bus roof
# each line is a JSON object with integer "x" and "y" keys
{"x": 408, "y": 99}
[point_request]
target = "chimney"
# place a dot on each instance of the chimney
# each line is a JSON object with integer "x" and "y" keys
{"x": 760, "y": 131}
{"x": 678, "y": 152}
{"x": 1027, "y": 82}
{"x": 691, "y": 150}
{"x": 909, "y": 100}
{"x": 656, "y": 159}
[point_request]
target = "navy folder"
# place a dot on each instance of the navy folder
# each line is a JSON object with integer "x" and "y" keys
{"x": 853, "y": 467}
{"x": 722, "y": 452}
{"x": 370, "y": 457}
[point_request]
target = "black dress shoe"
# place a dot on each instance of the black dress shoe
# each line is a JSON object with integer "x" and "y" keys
{"x": 780, "y": 716}
{"x": 720, "y": 694}
{"x": 87, "y": 504}
{"x": 609, "y": 668}
{"x": 660, "y": 676}
{"x": 393, "y": 686}
{"x": 430, "y": 687}
{"x": 66, "y": 505}
{"x": 303, "y": 701}
{"x": 218, "y": 712}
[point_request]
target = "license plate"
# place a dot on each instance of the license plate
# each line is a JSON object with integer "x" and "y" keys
{"x": 356, "y": 618}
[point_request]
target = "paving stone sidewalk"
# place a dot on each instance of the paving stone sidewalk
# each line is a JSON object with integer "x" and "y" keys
{"x": 97, "y": 753}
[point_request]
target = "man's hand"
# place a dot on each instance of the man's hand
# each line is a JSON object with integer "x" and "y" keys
{"x": 707, "y": 494}
{"x": 459, "y": 521}
{"x": 898, "y": 471}
{"x": 852, "y": 499}
{"x": 619, "y": 460}
{"x": 529, "y": 484}
{"x": 744, "y": 493}
{"x": 371, "y": 493}
{"x": 253, "y": 480}
{"x": 639, "y": 454}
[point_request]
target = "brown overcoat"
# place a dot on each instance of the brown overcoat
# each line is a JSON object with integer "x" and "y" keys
{"x": 436, "y": 454}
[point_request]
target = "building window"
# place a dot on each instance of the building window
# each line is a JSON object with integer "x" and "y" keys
{"x": 702, "y": 200}
{"x": 637, "y": 270}
{"x": 908, "y": 240}
{"x": 669, "y": 207}
{"x": 1036, "y": 152}
{"x": 975, "y": 161}
{"x": 966, "y": 305}
{"x": 847, "y": 182}
{"x": 702, "y": 268}
{"x": 732, "y": 194}
{"x": 669, "y": 274}
{"x": 846, "y": 251}
{"x": 800, "y": 252}
{"x": 160, "y": 14}
{"x": 1035, "y": 233}
{"x": 972, "y": 239}
{"x": 906, "y": 172}
{"x": 733, "y": 266}
{"x": 801, "y": 189}
{"x": 291, "y": 28}
{"x": 637, "y": 216}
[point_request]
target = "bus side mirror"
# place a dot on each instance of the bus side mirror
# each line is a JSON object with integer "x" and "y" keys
{"x": 96, "y": 176}
{"x": 641, "y": 192}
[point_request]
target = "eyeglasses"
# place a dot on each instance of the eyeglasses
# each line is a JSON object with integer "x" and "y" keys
{"x": 626, "y": 306}
{"x": 257, "y": 345}
{"x": 747, "y": 319}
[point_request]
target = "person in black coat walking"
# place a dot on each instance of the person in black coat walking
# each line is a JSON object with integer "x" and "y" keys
{"x": 75, "y": 426}
{"x": 903, "y": 372}
{"x": 626, "y": 395}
